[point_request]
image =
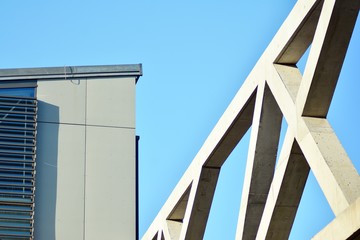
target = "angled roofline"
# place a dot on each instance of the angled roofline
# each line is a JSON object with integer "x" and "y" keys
{"x": 69, "y": 72}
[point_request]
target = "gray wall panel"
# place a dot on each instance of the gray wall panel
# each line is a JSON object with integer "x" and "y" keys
{"x": 59, "y": 201}
{"x": 111, "y": 102}
{"x": 68, "y": 95}
{"x": 110, "y": 183}
{"x": 85, "y": 183}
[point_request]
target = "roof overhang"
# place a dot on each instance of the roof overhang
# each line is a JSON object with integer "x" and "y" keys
{"x": 68, "y": 72}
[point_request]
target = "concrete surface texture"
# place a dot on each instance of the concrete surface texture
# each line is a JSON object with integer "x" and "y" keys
{"x": 275, "y": 88}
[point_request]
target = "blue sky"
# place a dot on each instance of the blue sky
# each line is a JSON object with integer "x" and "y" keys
{"x": 195, "y": 56}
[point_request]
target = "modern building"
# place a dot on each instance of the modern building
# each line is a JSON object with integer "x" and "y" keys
{"x": 68, "y": 161}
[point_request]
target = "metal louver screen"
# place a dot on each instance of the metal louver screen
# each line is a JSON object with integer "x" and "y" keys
{"x": 17, "y": 166}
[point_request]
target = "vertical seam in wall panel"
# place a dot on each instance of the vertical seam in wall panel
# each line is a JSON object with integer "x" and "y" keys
{"x": 84, "y": 221}
{"x": 137, "y": 139}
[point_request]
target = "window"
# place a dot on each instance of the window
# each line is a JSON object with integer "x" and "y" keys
{"x": 18, "y": 109}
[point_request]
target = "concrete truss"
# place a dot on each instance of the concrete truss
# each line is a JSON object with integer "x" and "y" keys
{"x": 274, "y": 89}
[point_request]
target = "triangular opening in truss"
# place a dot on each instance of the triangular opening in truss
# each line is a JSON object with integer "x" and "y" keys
{"x": 175, "y": 219}
{"x": 155, "y": 237}
{"x": 223, "y": 218}
{"x": 178, "y": 213}
{"x": 301, "y": 64}
{"x": 284, "y": 127}
{"x": 313, "y": 210}
{"x": 302, "y": 38}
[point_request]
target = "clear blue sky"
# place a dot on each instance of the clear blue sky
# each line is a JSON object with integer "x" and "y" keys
{"x": 195, "y": 55}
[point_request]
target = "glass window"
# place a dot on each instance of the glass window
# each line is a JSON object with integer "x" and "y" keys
{"x": 18, "y": 92}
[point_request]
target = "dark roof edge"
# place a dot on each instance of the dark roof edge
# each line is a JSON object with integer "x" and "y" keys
{"x": 71, "y": 72}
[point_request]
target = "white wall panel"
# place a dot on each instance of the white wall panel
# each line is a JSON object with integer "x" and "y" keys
{"x": 67, "y": 95}
{"x": 110, "y": 183}
{"x": 59, "y": 209}
{"x": 111, "y": 102}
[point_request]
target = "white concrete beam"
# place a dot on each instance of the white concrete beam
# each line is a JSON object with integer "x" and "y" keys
{"x": 317, "y": 140}
{"x": 345, "y": 226}
{"x": 332, "y": 167}
{"x": 290, "y": 34}
{"x": 261, "y": 160}
{"x": 165, "y": 234}
{"x": 331, "y": 40}
{"x": 174, "y": 228}
{"x": 291, "y": 77}
{"x": 302, "y": 37}
{"x": 200, "y": 200}
{"x": 285, "y": 192}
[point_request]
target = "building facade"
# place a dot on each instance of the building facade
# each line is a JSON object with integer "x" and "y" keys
{"x": 78, "y": 173}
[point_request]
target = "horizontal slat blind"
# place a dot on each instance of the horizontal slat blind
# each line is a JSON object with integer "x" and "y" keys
{"x": 17, "y": 166}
